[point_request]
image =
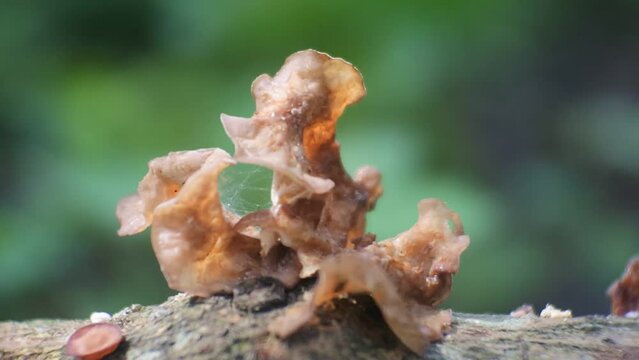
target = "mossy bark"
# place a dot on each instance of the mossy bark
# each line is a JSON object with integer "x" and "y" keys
{"x": 224, "y": 327}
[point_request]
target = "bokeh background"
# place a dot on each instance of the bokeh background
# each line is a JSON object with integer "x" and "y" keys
{"x": 522, "y": 116}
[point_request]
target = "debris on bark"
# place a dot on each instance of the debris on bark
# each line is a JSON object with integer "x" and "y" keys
{"x": 524, "y": 310}
{"x": 551, "y": 312}
{"x": 99, "y": 317}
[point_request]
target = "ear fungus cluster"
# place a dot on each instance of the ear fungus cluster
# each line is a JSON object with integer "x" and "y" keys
{"x": 316, "y": 224}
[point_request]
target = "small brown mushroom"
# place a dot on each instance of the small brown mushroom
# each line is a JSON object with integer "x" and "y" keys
{"x": 95, "y": 341}
{"x": 624, "y": 293}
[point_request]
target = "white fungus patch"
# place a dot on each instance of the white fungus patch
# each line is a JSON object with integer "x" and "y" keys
{"x": 100, "y": 317}
{"x": 551, "y": 312}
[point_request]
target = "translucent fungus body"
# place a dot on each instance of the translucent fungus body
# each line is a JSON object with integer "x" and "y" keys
{"x": 316, "y": 225}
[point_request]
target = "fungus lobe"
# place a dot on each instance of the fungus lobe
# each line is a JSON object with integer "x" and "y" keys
{"x": 624, "y": 293}
{"x": 406, "y": 276}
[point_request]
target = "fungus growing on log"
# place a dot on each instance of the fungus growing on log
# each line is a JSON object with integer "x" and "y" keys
{"x": 95, "y": 341}
{"x": 405, "y": 276}
{"x": 624, "y": 293}
{"x": 317, "y": 222}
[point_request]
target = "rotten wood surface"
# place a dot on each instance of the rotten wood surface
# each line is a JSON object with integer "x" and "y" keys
{"x": 234, "y": 327}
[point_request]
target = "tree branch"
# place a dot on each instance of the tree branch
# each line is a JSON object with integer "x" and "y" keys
{"x": 222, "y": 327}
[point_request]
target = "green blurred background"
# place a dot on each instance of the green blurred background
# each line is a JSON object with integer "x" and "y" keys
{"x": 522, "y": 116}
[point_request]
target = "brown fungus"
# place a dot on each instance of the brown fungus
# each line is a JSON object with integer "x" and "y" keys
{"x": 293, "y": 129}
{"x": 198, "y": 250}
{"x": 414, "y": 323}
{"x": 624, "y": 293}
{"x": 405, "y": 276}
{"x": 318, "y": 209}
{"x": 423, "y": 259}
{"x": 94, "y": 341}
{"x": 194, "y": 242}
{"x": 163, "y": 181}
{"x": 317, "y": 221}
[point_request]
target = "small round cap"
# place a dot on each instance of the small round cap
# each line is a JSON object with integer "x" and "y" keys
{"x": 94, "y": 341}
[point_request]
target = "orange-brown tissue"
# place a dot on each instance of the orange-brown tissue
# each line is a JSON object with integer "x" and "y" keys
{"x": 317, "y": 221}
{"x": 624, "y": 293}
